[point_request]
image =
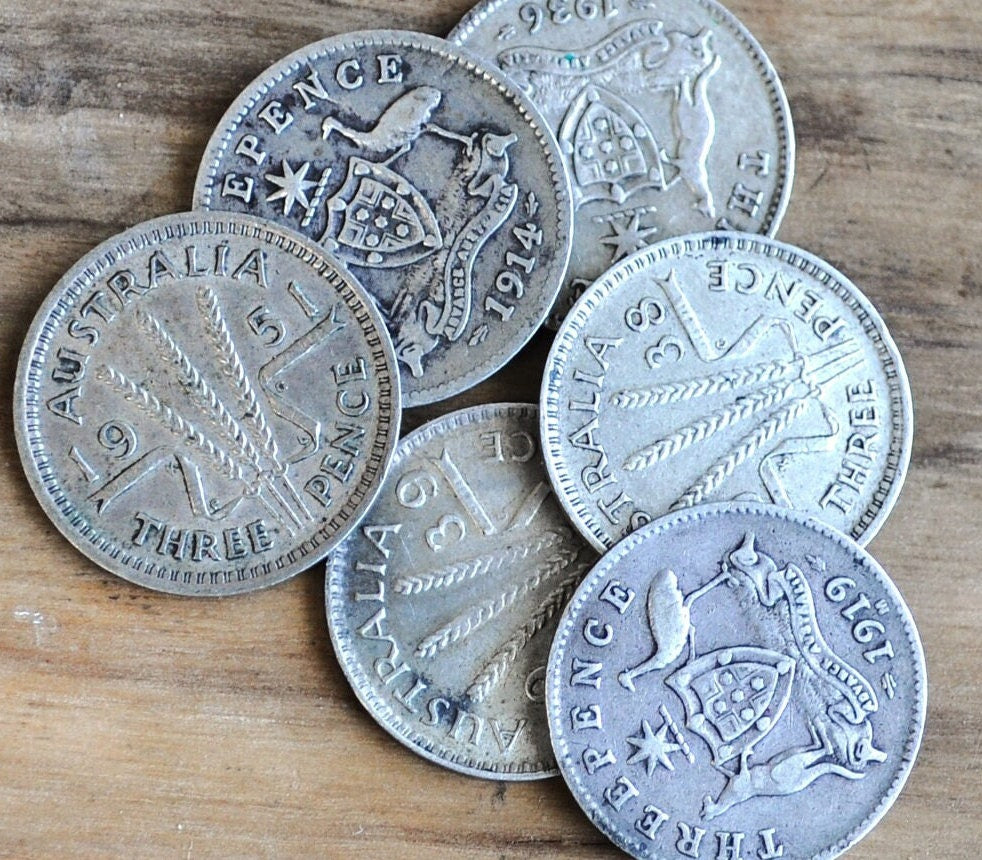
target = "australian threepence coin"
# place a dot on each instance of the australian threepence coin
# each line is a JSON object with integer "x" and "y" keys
{"x": 736, "y": 681}
{"x": 718, "y": 367}
{"x": 443, "y": 602}
{"x": 670, "y": 117}
{"x": 206, "y": 404}
{"x": 431, "y": 178}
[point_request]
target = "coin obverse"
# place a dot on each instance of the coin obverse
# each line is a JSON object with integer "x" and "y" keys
{"x": 736, "y": 681}
{"x": 443, "y": 602}
{"x": 430, "y": 177}
{"x": 721, "y": 366}
{"x": 670, "y": 117}
{"x": 205, "y": 404}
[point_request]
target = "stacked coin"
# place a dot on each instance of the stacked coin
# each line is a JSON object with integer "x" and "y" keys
{"x": 383, "y": 220}
{"x": 670, "y": 117}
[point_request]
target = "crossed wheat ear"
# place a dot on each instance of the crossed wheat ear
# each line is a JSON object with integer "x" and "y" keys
{"x": 554, "y": 557}
{"x": 491, "y": 562}
{"x": 496, "y": 668}
{"x": 767, "y": 372}
{"x": 473, "y": 619}
{"x": 172, "y": 420}
{"x": 231, "y": 363}
{"x": 245, "y": 451}
{"x": 780, "y": 391}
{"x": 775, "y": 383}
{"x": 205, "y": 397}
{"x": 709, "y": 425}
{"x": 775, "y": 423}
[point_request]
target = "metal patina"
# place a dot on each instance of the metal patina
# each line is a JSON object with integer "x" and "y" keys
{"x": 669, "y": 115}
{"x": 722, "y": 367}
{"x": 442, "y": 604}
{"x": 736, "y": 681}
{"x": 206, "y": 404}
{"x": 427, "y": 174}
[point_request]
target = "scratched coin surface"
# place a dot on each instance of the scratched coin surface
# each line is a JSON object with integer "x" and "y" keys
{"x": 736, "y": 681}
{"x": 435, "y": 181}
{"x": 206, "y": 404}
{"x": 717, "y": 367}
{"x": 670, "y": 117}
{"x": 443, "y": 602}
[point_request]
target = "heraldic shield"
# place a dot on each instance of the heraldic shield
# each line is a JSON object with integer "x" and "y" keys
{"x": 610, "y": 147}
{"x": 734, "y": 697}
{"x": 378, "y": 219}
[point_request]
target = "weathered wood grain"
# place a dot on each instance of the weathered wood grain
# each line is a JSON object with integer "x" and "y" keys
{"x": 141, "y": 725}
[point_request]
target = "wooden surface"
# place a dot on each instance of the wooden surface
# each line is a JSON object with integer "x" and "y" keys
{"x": 140, "y": 725}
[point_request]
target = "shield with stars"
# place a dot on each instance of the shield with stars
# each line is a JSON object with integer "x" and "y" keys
{"x": 611, "y": 149}
{"x": 734, "y": 697}
{"x": 378, "y": 219}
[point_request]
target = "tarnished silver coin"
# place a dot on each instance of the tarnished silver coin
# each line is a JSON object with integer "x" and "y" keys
{"x": 205, "y": 404}
{"x": 736, "y": 681}
{"x": 723, "y": 366}
{"x": 430, "y": 177}
{"x": 670, "y": 117}
{"x": 443, "y": 602}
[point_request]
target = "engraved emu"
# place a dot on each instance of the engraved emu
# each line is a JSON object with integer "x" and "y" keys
{"x": 400, "y": 124}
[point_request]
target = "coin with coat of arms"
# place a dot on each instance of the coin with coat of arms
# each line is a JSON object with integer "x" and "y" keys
{"x": 442, "y": 603}
{"x": 430, "y": 177}
{"x": 206, "y": 404}
{"x": 736, "y": 681}
{"x": 719, "y": 367}
{"x": 669, "y": 115}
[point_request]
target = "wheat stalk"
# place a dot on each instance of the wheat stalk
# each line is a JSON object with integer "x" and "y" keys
{"x": 497, "y": 667}
{"x": 136, "y": 394}
{"x": 709, "y": 425}
{"x": 746, "y": 447}
{"x": 705, "y": 386}
{"x": 460, "y": 571}
{"x": 468, "y": 622}
{"x": 232, "y": 366}
{"x": 207, "y": 398}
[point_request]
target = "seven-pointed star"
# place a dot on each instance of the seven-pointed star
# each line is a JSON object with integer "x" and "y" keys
{"x": 628, "y": 238}
{"x": 293, "y": 186}
{"x": 652, "y": 748}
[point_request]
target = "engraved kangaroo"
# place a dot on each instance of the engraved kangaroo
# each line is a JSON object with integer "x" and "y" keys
{"x": 692, "y": 115}
{"x": 787, "y": 773}
{"x": 593, "y": 108}
{"x": 696, "y": 127}
{"x": 836, "y": 699}
{"x": 445, "y": 310}
{"x": 833, "y": 699}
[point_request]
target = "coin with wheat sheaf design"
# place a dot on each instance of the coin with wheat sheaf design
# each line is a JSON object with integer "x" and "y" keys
{"x": 428, "y": 175}
{"x": 206, "y": 404}
{"x": 720, "y": 367}
{"x": 669, "y": 115}
{"x": 442, "y": 603}
{"x": 736, "y": 680}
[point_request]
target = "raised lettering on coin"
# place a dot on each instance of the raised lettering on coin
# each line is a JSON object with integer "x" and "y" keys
{"x": 173, "y": 412}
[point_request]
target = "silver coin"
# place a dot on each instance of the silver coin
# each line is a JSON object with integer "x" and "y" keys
{"x": 723, "y": 366}
{"x": 205, "y": 404}
{"x": 736, "y": 681}
{"x": 670, "y": 116}
{"x": 428, "y": 175}
{"x": 443, "y": 602}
